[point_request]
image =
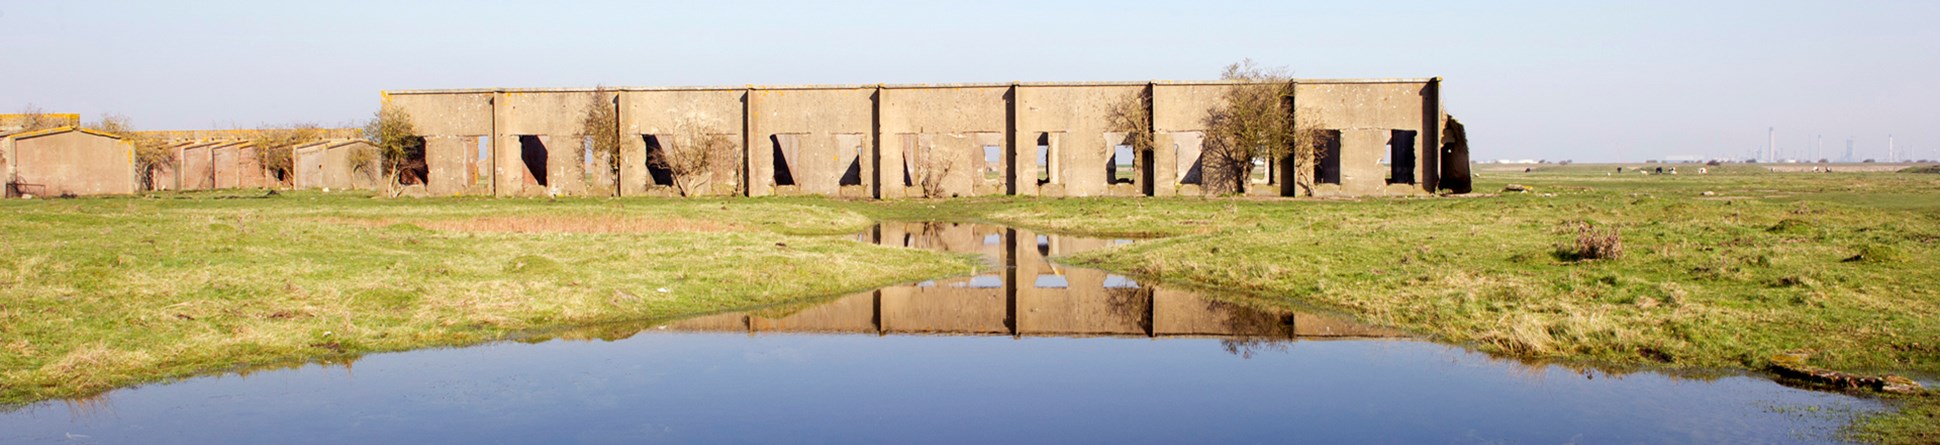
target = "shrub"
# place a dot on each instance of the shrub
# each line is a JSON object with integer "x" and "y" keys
{"x": 1593, "y": 244}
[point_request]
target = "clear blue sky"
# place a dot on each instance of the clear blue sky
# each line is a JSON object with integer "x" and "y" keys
{"x": 1532, "y": 79}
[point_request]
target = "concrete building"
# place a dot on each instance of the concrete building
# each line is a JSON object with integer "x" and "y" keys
{"x": 889, "y": 141}
{"x": 223, "y": 159}
{"x": 67, "y": 161}
{"x": 331, "y": 165}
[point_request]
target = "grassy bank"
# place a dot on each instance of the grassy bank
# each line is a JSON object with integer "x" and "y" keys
{"x": 1718, "y": 271}
{"x": 101, "y": 293}
{"x": 1723, "y": 270}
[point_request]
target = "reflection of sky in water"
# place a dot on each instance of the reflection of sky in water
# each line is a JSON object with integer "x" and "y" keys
{"x": 1174, "y": 379}
{"x": 715, "y": 388}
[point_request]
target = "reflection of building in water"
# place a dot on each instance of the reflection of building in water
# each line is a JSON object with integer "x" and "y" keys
{"x": 1029, "y": 296}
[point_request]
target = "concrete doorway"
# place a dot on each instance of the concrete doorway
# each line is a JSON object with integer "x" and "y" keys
{"x": 532, "y": 153}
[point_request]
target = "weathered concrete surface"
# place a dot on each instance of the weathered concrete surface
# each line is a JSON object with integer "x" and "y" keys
{"x": 883, "y": 140}
{"x": 1368, "y": 115}
{"x": 1081, "y": 138}
{"x": 664, "y": 113}
{"x": 329, "y": 165}
{"x": 68, "y": 161}
{"x": 197, "y": 166}
{"x": 944, "y": 131}
{"x": 817, "y": 132}
{"x": 1179, "y": 115}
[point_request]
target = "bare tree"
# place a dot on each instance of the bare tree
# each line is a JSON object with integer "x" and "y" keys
{"x": 601, "y": 122}
{"x": 929, "y": 169}
{"x": 692, "y": 153}
{"x": 1253, "y": 120}
{"x": 276, "y": 145}
{"x": 1132, "y": 115}
{"x": 32, "y": 118}
{"x": 152, "y": 154}
{"x": 1309, "y": 148}
{"x": 397, "y": 144}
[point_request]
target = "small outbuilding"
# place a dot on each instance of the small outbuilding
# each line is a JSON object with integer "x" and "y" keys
{"x": 67, "y": 161}
{"x": 334, "y": 165}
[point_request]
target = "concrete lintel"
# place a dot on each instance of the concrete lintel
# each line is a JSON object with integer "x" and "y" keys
{"x": 889, "y": 86}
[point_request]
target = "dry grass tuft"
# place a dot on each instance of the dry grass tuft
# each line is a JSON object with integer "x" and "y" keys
{"x": 87, "y": 368}
{"x": 1594, "y": 244}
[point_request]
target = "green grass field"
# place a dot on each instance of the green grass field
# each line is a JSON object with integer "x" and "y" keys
{"x": 1719, "y": 271}
{"x": 101, "y": 293}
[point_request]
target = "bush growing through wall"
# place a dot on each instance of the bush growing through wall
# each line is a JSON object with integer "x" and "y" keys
{"x": 391, "y": 131}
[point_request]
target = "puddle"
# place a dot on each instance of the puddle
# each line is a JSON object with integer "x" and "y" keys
{"x": 1028, "y": 351}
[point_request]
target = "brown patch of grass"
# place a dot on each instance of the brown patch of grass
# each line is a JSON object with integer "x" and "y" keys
{"x": 553, "y": 224}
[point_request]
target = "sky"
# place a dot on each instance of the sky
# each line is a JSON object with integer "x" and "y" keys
{"x": 1583, "y": 81}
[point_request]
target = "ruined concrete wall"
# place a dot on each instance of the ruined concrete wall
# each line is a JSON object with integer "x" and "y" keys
{"x": 307, "y": 166}
{"x": 946, "y": 131}
{"x": 858, "y": 141}
{"x": 73, "y": 163}
{"x": 197, "y": 166}
{"x": 340, "y": 169}
{"x": 1081, "y": 138}
{"x": 1367, "y": 114}
{"x": 662, "y": 113}
{"x": 1179, "y": 117}
{"x": 249, "y": 168}
{"x": 818, "y": 132}
{"x": 225, "y": 164}
{"x": 553, "y": 118}
{"x": 451, "y": 125}
{"x": 328, "y": 165}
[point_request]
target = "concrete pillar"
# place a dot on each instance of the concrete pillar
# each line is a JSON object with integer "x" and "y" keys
{"x": 633, "y": 151}
{"x": 565, "y": 164}
{"x": 1023, "y": 146}
{"x": 759, "y": 150}
{"x": 508, "y": 176}
{"x": 1431, "y": 136}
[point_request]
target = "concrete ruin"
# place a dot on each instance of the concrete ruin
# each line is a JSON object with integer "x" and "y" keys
{"x": 335, "y": 165}
{"x": 67, "y": 161}
{"x": 891, "y": 141}
{"x": 228, "y": 159}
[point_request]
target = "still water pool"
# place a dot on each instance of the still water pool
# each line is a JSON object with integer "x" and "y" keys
{"x": 1033, "y": 352}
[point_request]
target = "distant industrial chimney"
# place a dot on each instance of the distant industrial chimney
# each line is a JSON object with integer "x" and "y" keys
{"x": 1892, "y": 155}
{"x": 1771, "y": 144}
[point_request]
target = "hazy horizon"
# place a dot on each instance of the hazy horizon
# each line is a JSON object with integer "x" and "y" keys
{"x": 1532, "y": 80}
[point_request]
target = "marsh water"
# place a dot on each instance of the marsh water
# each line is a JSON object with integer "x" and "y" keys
{"x": 1031, "y": 352}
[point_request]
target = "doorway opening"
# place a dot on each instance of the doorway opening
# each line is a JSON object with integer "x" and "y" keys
{"x": 1327, "y": 158}
{"x": 1401, "y": 155}
{"x": 783, "y": 144}
{"x": 415, "y": 170}
{"x": 657, "y": 172}
{"x": 532, "y": 152}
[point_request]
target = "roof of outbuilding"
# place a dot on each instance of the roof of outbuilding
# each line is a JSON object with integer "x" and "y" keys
{"x": 59, "y": 130}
